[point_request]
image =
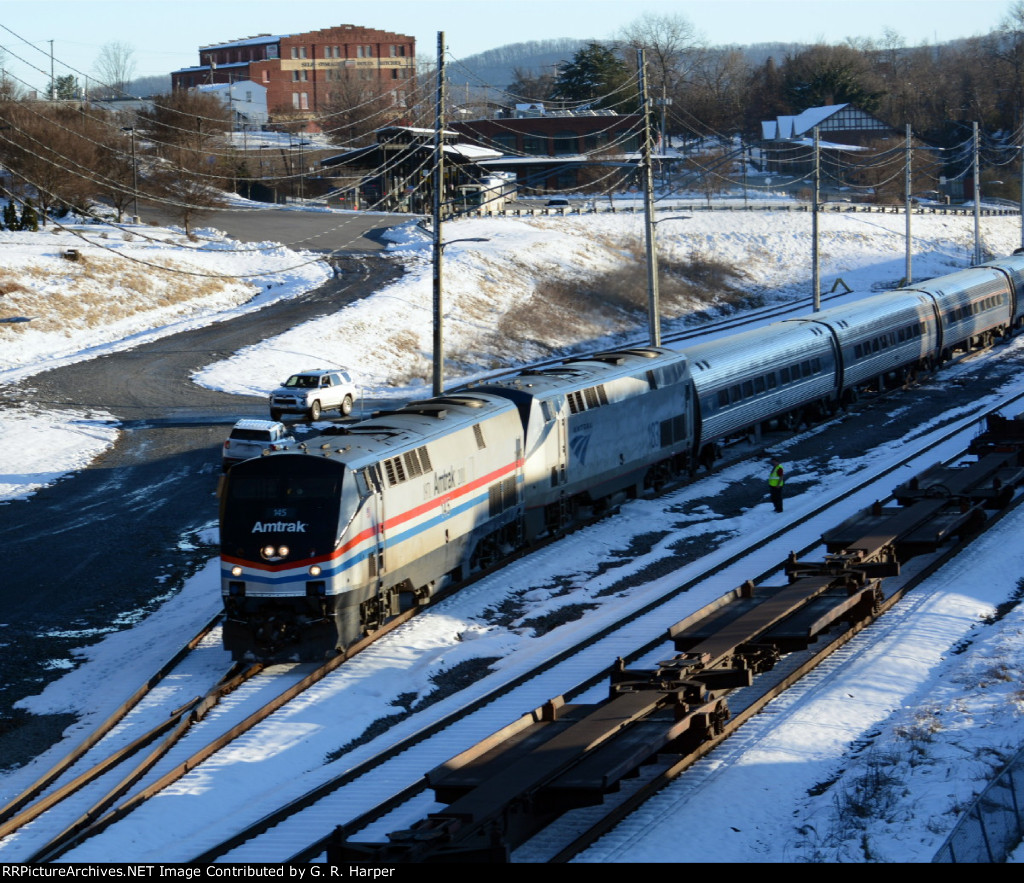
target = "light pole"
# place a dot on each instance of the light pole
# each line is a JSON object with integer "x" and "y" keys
{"x": 439, "y": 248}
{"x": 653, "y": 297}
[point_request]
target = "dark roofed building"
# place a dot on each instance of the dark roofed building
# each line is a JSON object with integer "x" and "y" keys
{"x": 787, "y": 141}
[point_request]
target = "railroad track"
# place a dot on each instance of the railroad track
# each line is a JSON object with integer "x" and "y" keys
{"x": 352, "y": 796}
{"x": 328, "y": 817}
{"x": 79, "y": 796}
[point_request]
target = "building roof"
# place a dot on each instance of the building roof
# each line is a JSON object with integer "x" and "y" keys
{"x": 258, "y": 40}
{"x": 799, "y": 128}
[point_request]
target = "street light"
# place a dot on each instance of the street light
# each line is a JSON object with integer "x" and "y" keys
{"x": 653, "y": 304}
{"x": 439, "y": 248}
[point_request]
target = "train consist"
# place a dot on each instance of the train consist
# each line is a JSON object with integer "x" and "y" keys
{"x": 323, "y": 543}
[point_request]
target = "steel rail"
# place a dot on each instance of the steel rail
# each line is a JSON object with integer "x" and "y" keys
{"x": 623, "y": 808}
{"x": 333, "y": 784}
{"x": 10, "y": 810}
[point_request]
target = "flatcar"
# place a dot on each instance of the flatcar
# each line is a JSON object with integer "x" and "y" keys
{"x": 321, "y": 545}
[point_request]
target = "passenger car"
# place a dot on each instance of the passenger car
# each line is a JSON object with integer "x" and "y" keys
{"x": 558, "y": 201}
{"x": 250, "y": 438}
{"x": 312, "y": 392}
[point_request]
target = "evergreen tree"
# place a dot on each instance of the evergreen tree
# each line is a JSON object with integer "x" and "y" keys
{"x": 596, "y": 75}
{"x": 66, "y": 88}
{"x": 29, "y": 218}
{"x": 11, "y": 221}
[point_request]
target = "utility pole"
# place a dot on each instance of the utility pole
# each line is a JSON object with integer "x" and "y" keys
{"x": 438, "y": 206}
{"x": 653, "y": 308}
{"x": 53, "y": 84}
{"x": 977, "y": 200}
{"x": 907, "y": 179}
{"x": 1021, "y": 158}
{"x": 135, "y": 179}
{"x": 815, "y": 269}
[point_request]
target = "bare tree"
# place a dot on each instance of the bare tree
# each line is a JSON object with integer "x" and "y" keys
{"x": 673, "y": 49}
{"x": 184, "y": 128}
{"x": 355, "y": 108}
{"x": 114, "y": 68}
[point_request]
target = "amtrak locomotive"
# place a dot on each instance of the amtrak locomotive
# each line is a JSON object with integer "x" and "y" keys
{"x": 323, "y": 542}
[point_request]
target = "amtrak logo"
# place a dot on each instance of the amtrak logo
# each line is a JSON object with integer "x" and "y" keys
{"x": 279, "y": 527}
{"x": 578, "y": 446}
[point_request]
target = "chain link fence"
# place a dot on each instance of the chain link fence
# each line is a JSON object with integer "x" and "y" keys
{"x": 994, "y": 825}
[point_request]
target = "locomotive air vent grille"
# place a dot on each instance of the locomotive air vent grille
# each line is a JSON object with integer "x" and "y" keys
{"x": 412, "y": 464}
{"x": 395, "y": 470}
{"x": 479, "y": 433}
{"x": 424, "y": 459}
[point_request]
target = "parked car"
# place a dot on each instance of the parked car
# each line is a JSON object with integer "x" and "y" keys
{"x": 312, "y": 392}
{"x": 558, "y": 201}
{"x": 250, "y": 438}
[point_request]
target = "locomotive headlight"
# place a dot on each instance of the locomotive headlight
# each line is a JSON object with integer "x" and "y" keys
{"x": 283, "y": 551}
{"x": 236, "y": 571}
{"x": 268, "y": 552}
{"x": 314, "y": 570}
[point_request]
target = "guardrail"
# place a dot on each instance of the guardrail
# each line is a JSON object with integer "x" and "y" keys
{"x": 994, "y": 825}
{"x": 541, "y": 211}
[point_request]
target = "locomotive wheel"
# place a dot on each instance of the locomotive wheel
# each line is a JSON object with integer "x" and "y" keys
{"x": 314, "y": 410}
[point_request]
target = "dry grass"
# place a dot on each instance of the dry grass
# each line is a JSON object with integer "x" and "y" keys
{"x": 60, "y": 295}
{"x": 562, "y": 310}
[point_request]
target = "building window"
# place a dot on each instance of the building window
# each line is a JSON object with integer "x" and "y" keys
{"x": 303, "y": 101}
{"x": 266, "y": 76}
{"x": 295, "y": 100}
{"x": 535, "y": 144}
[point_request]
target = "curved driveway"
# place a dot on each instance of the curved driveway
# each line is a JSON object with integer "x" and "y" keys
{"x": 103, "y": 543}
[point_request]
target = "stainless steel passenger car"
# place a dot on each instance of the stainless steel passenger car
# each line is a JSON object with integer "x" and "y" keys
{"x": 321, "y": 547}
{"x": 1013, "y": 267}
{"x": 880, "y": 339}
{"x": 772, "y": 372}
{"x": 974, "y": 307}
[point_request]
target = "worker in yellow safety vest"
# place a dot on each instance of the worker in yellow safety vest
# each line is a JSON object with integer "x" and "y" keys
{"x": 776, "y": 479}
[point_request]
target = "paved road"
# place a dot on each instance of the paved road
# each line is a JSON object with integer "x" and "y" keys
{"x": 317, "y": 231}
{"x": 105, "y": 542}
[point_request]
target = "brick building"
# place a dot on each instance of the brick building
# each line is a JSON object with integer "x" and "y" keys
{"x": 299, "y": 70}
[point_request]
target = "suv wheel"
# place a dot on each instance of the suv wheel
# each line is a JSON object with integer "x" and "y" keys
{"x": 314, "y": 410}
{"x": 346, "y": 406}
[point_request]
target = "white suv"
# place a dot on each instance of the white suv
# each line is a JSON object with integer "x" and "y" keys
{"x": 250, "y": 438}
{"x": 312, "y": 392}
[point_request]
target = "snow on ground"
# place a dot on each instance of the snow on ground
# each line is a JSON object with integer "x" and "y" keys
{"x": 945, "y": 699}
